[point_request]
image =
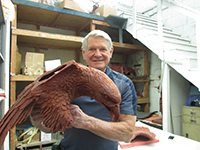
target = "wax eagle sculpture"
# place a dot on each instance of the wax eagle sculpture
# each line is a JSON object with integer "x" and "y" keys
{"x": 51, "y": 94}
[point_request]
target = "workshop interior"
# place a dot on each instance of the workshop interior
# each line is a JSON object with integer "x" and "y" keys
{"x": 155, "y": 45}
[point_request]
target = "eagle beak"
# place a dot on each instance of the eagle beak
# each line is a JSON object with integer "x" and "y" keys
{"x": 114, "y": 112}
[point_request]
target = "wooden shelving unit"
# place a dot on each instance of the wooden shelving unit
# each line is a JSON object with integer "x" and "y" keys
{"x": 50, "y": 16}
{"x": 145, "y": 79}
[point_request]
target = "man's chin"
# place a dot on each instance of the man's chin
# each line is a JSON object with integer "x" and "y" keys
{"x": 99, "y": 67}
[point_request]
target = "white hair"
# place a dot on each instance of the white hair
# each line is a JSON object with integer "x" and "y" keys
{"x": 96, "y": 33}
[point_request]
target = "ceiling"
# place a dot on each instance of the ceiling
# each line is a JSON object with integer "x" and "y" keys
{"x": 147, "y": 7}
{"x": 144, "y": 6}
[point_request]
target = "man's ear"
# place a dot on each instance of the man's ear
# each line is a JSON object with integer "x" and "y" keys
{"x": 83, "y": 53}
{"x": 111, "y": 52}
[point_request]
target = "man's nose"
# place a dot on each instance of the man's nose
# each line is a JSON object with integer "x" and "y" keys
{"x": 97, "y": 52}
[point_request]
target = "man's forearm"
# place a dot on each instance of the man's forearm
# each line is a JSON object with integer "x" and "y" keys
{"x": 116, "y": 131}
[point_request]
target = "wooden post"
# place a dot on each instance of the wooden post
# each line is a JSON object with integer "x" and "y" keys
{"x": 14, "y": 44}
{"x": 92, "y": 26}
{"x": 13, "y": 141}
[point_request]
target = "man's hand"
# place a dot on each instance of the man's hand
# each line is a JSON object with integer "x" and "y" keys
{"x": 116, "y": 131}
{"x": 80, "y": 119}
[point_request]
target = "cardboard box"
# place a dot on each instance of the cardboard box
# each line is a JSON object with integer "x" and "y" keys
{"x": 69, "y": 4}
{"x": 32, "y": 71}
{"x": 35, "y": 138}
{"x": 34, "y": 60}
{"x": 106, "y": 10}
{"x": 18, "y": 63}
{"x": 48, "y": 2}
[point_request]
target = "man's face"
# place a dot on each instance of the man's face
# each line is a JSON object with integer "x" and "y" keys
{"x": 97, "y": 54}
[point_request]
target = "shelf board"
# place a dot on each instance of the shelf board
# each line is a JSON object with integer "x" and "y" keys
{"x": 140, "y": 79}
{"x": 143, "y": 100}
{"x": 58, "y": 41}
{"x": 127, "y": 48}
{"x": 23, "y": 78}
{"x": 43, "y": 38}
{"x": 34, "y": 144}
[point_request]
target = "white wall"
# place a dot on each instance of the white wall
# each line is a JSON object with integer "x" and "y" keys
{"x": 179, "y": 91}
{"x": 181, "y": 23}
{"x": 154, "y": 72}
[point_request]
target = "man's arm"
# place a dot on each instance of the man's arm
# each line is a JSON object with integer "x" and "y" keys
{"x": 116, "y": 131}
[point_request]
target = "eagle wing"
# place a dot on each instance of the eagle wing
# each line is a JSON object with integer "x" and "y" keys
{"x": 55, "y": 90}
{"x": 48, "y": 98}
{"x": 54, "y": 113}
{"x": 29, "y": 98}
{"x": 18, "y": 113}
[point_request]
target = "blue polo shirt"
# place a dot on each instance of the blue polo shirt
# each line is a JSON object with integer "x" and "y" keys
{"x": 79, "y": 139}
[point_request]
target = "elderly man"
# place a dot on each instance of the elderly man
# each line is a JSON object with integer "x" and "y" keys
{"x": 93, "y": 129}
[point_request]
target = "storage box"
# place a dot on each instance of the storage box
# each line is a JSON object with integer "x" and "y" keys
{"x": 34, "y": 60}
{"x": 35, "y": 138}
{"x": 32, "y": 71}
{"x": 48, "y": 2}
{"x": 18, "y": 63}
{"x": 106, "y": 10}
{"x": 70, "y": 5}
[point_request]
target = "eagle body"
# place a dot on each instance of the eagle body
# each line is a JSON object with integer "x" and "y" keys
{"x": 48, "y": 98}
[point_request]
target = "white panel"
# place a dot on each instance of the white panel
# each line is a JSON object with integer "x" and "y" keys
{"x": 179, "y": 90}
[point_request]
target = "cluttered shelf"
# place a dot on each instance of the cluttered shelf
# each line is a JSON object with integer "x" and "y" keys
{"x": 144, "y": 101}
{"x": 59, "y": 41}
{"x": 57, "y": 17}
{"x": 52, "y": 16}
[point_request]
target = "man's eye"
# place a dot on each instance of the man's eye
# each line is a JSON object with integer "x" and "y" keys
{"x": 103, "y": 49}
